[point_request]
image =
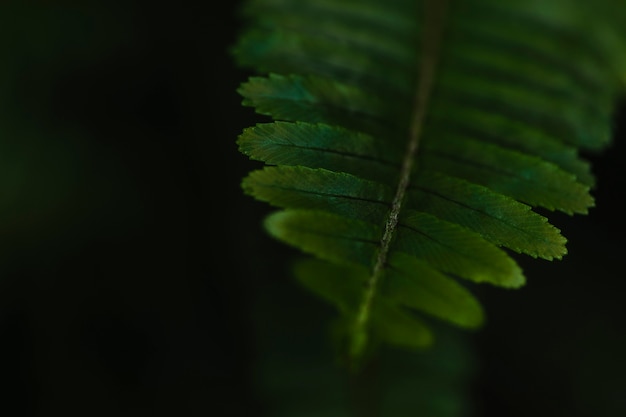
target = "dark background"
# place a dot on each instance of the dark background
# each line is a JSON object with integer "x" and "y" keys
{"x": 135, "y": 279}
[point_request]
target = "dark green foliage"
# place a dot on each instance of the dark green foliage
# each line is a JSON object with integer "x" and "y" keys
{"x": 415, "y": 144}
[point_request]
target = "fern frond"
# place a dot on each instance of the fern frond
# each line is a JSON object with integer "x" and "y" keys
{"x": 412, "y": 140}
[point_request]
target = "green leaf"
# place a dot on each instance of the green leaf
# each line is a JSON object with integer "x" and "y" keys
{"x": 414, "y": 141}
{"x": 453, "y": 249}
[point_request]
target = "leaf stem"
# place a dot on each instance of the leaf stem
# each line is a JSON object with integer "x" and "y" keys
{"x": 434, "y": 22}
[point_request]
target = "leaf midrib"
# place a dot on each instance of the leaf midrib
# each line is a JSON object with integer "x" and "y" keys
{"x": 434, "y": 19}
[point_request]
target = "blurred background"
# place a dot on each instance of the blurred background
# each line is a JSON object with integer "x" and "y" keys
{"x": 135, "y": 279}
